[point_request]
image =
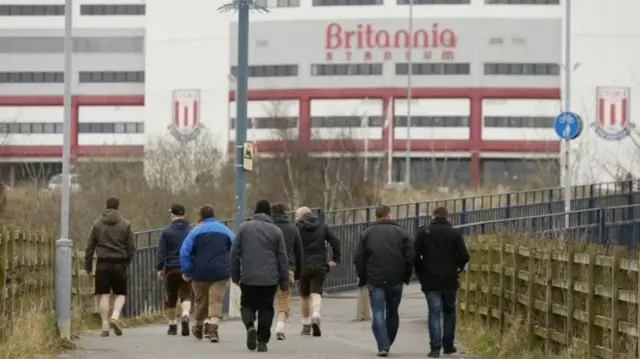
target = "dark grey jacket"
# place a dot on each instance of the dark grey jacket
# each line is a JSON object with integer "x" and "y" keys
{"x": 258, "y": 254}
{"x": 292, "y": 241}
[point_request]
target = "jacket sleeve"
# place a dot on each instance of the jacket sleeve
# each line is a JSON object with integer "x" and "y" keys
{"x": 336, "y": 254}
{"x": 186, "y": 263}
{"x": 462, "y": 254}
{"x": 162, "y": 251}
{"x": 281, "y": 255}
{"x": 409, "y": 256}
{"x": 230, "y": 234}
{"x": 234, "y": 257}
{"x": 131, "y": 244}
{"x": 299, "y": 254}
{"x": 360, "y": 258}
{"x": 418, "y": 245}
{"x": 92, "y": 243}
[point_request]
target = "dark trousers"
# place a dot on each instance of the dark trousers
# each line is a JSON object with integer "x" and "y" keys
{"x": 258, "y": 299}
{"x": 441, "y": 303}
{"x": 385, "y": 301}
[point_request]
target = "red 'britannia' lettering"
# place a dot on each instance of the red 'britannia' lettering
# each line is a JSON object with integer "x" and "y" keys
{"x": 366, "y": 36}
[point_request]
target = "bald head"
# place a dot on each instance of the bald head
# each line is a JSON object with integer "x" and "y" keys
{"x": 301, "y": 212}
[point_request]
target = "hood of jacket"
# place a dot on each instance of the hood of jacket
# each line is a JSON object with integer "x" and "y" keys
{"x": 440, "y": 221}
{"x": 262, "y": 217}
{"x": 309, "y": 221}
{"x": 280, "y": 218}
{"x": 179, "y": 224}
{"x": 111, "y": 216}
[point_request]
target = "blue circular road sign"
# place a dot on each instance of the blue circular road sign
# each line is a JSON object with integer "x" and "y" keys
{"x": 568, "y": 125}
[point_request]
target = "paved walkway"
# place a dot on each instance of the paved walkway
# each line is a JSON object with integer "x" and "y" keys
{"x": 342, "y": 338}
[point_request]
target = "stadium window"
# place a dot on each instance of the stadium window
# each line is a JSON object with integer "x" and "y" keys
{"x": 25, "y": 77}
{"x": 522, "y": 2}
{"x": 111, "y": 127}
{"x": 434, "y": 2}
{"x": 112, "y": 9}
{"x": 270, "y": 71}
{"x": 428, "y": 68}
{"x": 269, "y": 123}
{"x": 111, "y": 76}
{"x": 346, "y": 69}
{"x": 521, "y": 69}
{"x": 31, "y": 10}
{"x": 30, "y": 127}
{"x": 433, "y": 121}
{"x": 271, "y": 4}
{"x": 345, "y": 121}
{"x": 545, "y": 122}
{"x": 347, "y": 2}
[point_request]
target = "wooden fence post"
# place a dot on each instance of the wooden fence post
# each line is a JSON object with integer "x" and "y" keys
{"x": 489, "y": 317}
{"x": 570, "y": 300}
{"x": 615, "y": 289}
{"x": 501, "y": 289}
{"x": 549, "y": 298}
{"x": 591, "y": 311}
{"x": 530, "y": 296}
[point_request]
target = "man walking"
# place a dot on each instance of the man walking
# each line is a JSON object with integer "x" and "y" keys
{"x": 204, "y": 259}
{"x": 112, "y": 241}
{"x": 293, "y": 244}
{"x": 168, "y": 267}
{"x": 440, "y": 256}
{"x": 258, "y": 264}
{"x": 384, "y": 260}
{"x": 315, "y": 235}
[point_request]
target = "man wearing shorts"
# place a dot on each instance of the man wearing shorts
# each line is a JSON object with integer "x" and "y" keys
{"x": 315, "y": 235}
{"x": 111, "y": 240}
{"x": 168, "y": 267}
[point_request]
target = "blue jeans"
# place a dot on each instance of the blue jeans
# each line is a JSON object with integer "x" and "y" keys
{"x": 385, "y": 301}
{"x": 442, "y": 303}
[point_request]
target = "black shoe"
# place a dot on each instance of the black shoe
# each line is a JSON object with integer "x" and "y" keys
{"x": 262, "y": 347}
{"x": 306, "y": 329}
{"x": 449, "y": 351}
{"x": 184, "y": 325}
{"x": 104, "y": 333}
{"x": 434, "y": 354}
{"x": 206, "y": 330}
{"x": 383, "y": 353}
{"x": 173, "y": 329}
{"x": 213, "y": 333}
{"x": 252, "y": 339}
{"x": 280, "y": 336}
{"x": 197, "y": 331}
{"x": 315, "y": 327}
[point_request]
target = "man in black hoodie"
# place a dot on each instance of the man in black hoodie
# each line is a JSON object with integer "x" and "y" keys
{"x": 441, "y": 255}
{"x": 168, "y": 267}
{"x": 315, "y": 235}
{"x": 293, "y": 243}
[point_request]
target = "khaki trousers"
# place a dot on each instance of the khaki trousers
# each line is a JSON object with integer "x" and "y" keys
{"x": 209, "y": 296}
{"x": 284, "y": 298}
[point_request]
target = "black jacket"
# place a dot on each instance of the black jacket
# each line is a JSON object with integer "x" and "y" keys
{"x": 384, "y": 255}
{"x": 292, "y": 241}
{"x": 315, "y": 235}
{"x": 170, "y": 242}
{"x": 440, "y": 254}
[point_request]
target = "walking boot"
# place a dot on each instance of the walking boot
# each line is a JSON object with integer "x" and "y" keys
{"x": 197, "y": 331}
{"x": 173, "y": 329}
{"x": 315, "y": 327}
{"x": 306, "y": 329}
{"x": 184, "y": 325}
{"x": 213, "y": 333}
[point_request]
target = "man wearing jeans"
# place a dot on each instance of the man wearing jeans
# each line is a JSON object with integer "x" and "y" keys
{"x": 384, "y": 260}
{"x": 440, "y": 255}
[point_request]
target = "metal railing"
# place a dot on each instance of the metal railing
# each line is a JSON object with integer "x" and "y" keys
{"x": 603, "y": 213}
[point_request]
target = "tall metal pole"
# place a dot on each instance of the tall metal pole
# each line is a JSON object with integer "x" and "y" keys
{"x": 242, "y": 84}
{"x": 365, "y": 126}
{"x": 407, "y": 171}
{"x": 64, "y": 245}
{"x": 568, "y": 69}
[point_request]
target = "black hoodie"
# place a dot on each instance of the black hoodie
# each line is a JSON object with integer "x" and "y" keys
{"x": 315, "y": 235}
{"x": 292, "y": 241}
{"x": 170, "y": 243}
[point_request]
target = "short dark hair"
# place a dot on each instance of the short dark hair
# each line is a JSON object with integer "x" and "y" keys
{"x": 263, "y": 206}
{"x": 279, "y": 209}
{"x": 440, "y": 212}
{"x": 382, "y": 211}
{"x": 113, "y": 203}
{"x": 207, "y": 211}
{"x": 177, "y": 210}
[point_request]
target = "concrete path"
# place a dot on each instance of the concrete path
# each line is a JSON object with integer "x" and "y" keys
{"x": 342, "y": 338}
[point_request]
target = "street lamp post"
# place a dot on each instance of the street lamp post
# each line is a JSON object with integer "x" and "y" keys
{"x": 407, "y": 173}
{"x": 568, "y": 69}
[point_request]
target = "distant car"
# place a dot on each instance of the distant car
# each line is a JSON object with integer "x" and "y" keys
{"x": 55, "y": 183}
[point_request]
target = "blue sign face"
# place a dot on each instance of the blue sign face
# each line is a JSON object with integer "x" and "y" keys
{"x": 568, "y": 125}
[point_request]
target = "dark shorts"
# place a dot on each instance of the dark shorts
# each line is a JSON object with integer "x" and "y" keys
{"x": 176, "y": 288}
{"x": 111, "y": 277}
{"x": 312, "y": 279}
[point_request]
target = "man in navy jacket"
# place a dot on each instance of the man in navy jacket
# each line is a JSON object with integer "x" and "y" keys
{"x": 204, "y": 258}
{"x": 168, "y": 267}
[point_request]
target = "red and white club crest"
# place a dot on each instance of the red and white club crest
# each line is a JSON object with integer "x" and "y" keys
{"x": 185, "y": 126}
{"x": 612, "y": 111}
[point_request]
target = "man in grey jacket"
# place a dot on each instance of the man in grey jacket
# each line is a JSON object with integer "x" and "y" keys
{"x": 259, "y": 264}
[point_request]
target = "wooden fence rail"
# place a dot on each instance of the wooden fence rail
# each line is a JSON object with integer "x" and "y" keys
{"x": 565, "y": 296}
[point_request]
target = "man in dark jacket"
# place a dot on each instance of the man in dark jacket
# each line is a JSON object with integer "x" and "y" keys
{"x": 440, "y": 255}
{"x": 315, "y": 235}
{"x": 204, "y": 259}
{"x": 293, "y": 243}
{"x": 168, "y": 267}
{"x": 384, "y": 260}
{"x": 258, "y": 264}
{"x": 112, "y": 241}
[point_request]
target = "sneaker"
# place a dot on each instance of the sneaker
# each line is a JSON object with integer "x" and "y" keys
{"x": 115, "y": 326}
{"x": 449, "y": 351}
{"x": 213, "y": 333}
{"x": 315, "y": 327}
{"x": 262, "y": 347}
{"x": 104, "y": 333}
{"x": 173, "y": 329}
{"x": 184, "y": 325}
{"x": 434, "y": 354}
{"x": 306, "y": 329}
{"x": 197, "y": 331}
{"x": 252, "y": 338}
{"x": 207, "y": 330}
{"x": 383, "y": 353}
{"x": 280, "y": 336}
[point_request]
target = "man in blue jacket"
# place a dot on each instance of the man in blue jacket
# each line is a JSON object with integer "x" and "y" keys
{"x": 168, "y": 267}
{"x": 204, "y": 258}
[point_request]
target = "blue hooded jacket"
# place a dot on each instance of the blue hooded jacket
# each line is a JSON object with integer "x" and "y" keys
{"x": 170, "y": 242}
{"x": 204, "y": 255}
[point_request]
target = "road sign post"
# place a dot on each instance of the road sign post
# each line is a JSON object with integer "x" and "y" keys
{"x": 568, "y": 126}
